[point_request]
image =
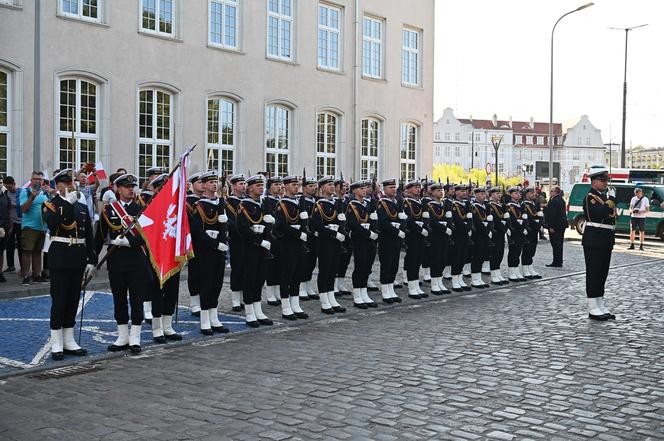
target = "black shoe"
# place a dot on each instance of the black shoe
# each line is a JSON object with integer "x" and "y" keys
{"x": 78, "y": 352}
{"x": 437, "y": 293}
{"x": 631, "y": 247}
{"x": 372, "y": 305}
{"x": 424, "y": 295}
{"x": 466, "y": 288}
{"x": 207, "y": 332}
{"x": 173, "y": 337}
{"x": 219, "y": 329}
{"x": 314, "y": 297}
{"x": 641, "y": 248}
{"x": 396, "y": 299}
{"x": 372, "y": 288}
{"x": 290, "y": 317}
{"x": 116, "y": 348}
{"x": 388, "y": 301}
{"x": 135, "y": 349}
{"x": 265, "y": 322}
{"x": 601, "y": 318}
{"x": 273, "y": 302}
{"x": 161, "y": 340}
{"x": 414, "y": 296}
{"x": 196, "y": 314}
{"x": 253, "y": 324}
{"x": 554, "y": 265}
{"x": 496, "y": 283}
{"x": 360, "y": 305}
{"x": 305, "y": 299}
{"x": 529, "y": 277}
{"x": 237, "y": 308}
{"x": 57, "y": 356}
{"x": 10, "y": 269}
{"x": 26, "y": 281}
{"x": 398, "y": 285}
{"x": 328, "y": 311}
{"x": 457, "y": 289}
{"x": 536, "y": 277}
{"x": 2, "y": 279}
{"x": 302, "y": 315}
{"x": 41, "y": 279}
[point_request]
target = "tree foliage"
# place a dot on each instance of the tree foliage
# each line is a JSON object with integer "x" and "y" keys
{"x": 456, "y": 174}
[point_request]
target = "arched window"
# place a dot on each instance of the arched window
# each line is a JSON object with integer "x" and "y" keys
{"x": 221, "y": 137}
{"x": 155, "y": 130}
{"x": 371, "y": 137}
{"x": 277, "y": 139}
{"x": 78, "y": 123}
{"x": 326, "y": 144}
{"x": 408, "y": 148}
{"x": 5, "y": 123}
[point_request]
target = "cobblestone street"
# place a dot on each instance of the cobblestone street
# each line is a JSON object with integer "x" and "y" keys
{"x": 521, "y": 362}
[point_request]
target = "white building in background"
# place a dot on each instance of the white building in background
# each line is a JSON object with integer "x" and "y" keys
{"x": 524, "y": 150}
{"x": 259, "y": 85}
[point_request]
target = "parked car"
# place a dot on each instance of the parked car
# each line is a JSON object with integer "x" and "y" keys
{"x": 624, "y": 193}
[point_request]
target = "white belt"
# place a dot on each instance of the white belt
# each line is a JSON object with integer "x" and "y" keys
{"x": 600, "y": 225}
{"x": 68, "y": 240}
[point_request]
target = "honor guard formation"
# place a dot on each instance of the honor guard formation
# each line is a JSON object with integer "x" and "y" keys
{"x": 275, "y": 231}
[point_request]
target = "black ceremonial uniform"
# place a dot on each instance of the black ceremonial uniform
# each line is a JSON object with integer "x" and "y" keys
{"x": 361, "y": 228}
{"x": 307, "y": 206}
{"x": 325, "y": 223}
{"x": 462, "y": 228}
{"x": 235, "y": 241}
{"x": 288, "y": 229}
{"x": 426, "y": 251}
{"x": 269, "y": 206}
{"x": 414, "y": 238}
{"x": 598, "y": 240}
{"x": 534, "y": 223}
{"x": 500, "y": 226}
{"x": 439, "y": 238}
{"x": 254, "y": 255}
{"x": 518, "y": 226}
{"x": 482, "y": 229}
{"x": 389, "y": 240}
{"x": 193, "y": 275}
{"x": 347, "y": 248}
{"x": 72, "y": 248}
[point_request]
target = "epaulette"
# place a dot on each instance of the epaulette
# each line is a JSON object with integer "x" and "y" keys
{"x": 50, "y": 206}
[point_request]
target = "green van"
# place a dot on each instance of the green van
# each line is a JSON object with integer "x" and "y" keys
{"x": 624, "y": 194}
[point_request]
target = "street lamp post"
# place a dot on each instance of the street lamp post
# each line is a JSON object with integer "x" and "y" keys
{"x": 624, "y": 109}
{"x": 523, "y": 168}
{"x": 587, "y": 5}
{"x": 496, "y": 140}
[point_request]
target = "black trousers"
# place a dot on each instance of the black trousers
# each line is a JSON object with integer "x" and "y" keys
{"x": 236, "y": 249}
{"x": 292, "y": 258}
{"x": 426, "y": 257}
{"x": 272, "y": 265}
{"x": 309, "y": 261}
{"x": 497, "y": 253}
{"x": 480, "y": 253}
{"x": 193, "y": 277}
{"x": 65, "y": 294}
{"x": 388, "y": 256}
{"x": 557, "y": 239}
{"x": 598, "y": 261}
{"x": 413, "y": 259}
{"x": 212, "y": 268}
{"x": 363, "y": 252}
{"x": 514, "y": 253}
{"x": 437, "y": 252}
{"x": 344, "y": 259}
{"x": 14, "y": 244}
{"x": 459, "y": 252}
{"x": 329, "y": 254}
{"x": 530, "y": 248}
{"x": 166, "y": 298}
{"x": 253, "y": 281}
{"x": 134, "y": 282}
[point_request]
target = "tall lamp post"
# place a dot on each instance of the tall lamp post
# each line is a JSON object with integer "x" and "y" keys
{"x": 624, "y": 109}
{"x": 496, "y": 140}
{"x": 587, "y": 5}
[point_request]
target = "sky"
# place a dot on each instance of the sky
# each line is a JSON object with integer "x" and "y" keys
{"x": 494, "y": 57}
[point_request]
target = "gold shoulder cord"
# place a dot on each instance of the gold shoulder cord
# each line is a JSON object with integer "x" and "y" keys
{"x": 109, "y": 223}
{"x": 362, "y": 220}
{"x": 230, "y": 208}
{"x": 477, "y": 211}
{"x": 390, "y": 214}
{"x": 207, "y": 220}
{"x": 415, "y": 214}
{"x": 248, "y": 216}
{"x": 433, "y": 210}
{"x": 325, "y": 217}
{"x": 291, "y": 220}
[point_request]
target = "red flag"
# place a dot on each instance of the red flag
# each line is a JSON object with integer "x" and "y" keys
{"x": 101, "y": 173}
{"x": 165, "y": 227}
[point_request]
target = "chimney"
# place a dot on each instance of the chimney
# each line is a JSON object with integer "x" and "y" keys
{"x": 471, "y": 118}
{"x": 510, "y": 121}
{"x": 495, "y": 120}
{"x": 532, "y": 123}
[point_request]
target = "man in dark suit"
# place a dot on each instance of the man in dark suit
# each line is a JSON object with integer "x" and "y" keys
{"x": 555, "y": 218}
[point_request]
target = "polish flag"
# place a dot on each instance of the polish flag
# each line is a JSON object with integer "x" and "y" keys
{"x": 101, "y": 173}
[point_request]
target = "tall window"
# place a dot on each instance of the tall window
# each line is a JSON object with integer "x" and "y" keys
{"x": 155, "y": 134}
{"x": 370, "y": 148}
{"x": 221, "y": 135}
{"x": 4, "y": 122}
{"x": 157, "y": 16}
{"x": 326, "y": 144}
{"x": 329, "y": 30}
{"x": 277, "y": 139}
{"x": 83, "y": 9}
{"x": 224, "y": 23}
{"x": 408, "y": 148}
{"x": 279, "y": 29}
{"x": 372, "y": 47}
{"x": 78, "y": 131}
{"x": 410, "y": 57}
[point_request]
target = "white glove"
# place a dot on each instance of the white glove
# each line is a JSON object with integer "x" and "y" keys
{"x": 503, "y": 222}
{"x": 223, "y": 218}
{"x": 89, "y": 273}
{"x": 402, "y": 216}
{"x": 366, "y": 226}
{"x": 396, "y": 225}
{"x": 524, "y": 216}
{"x": 268, "y": 219}
{"x": 222, "y": 246}
{"x": 540, "y": 214}
{"x": 425, "y": 215}
{"x": 373, "y": 216}
{"x": 296, "y": 226}
{"x": 509, "y": 232}
{"x": 611, "y": 192}
{"x": 333, "y": 227}
{"x": 425, "y": 233}
{"x": 120, "y": 242}
{"x": 341, "y": 217}
{"x": 470, "y": 233}
{"x": 419, "y": 224}
{"x": 486, "y": 224}
{"x": 506, "y": 216}
{"x": 490, "y": 218}
{"x": 490, "y": 235}
{"x": 2, "y": 232}
{"x": 520, "y": 221}
{"x": 212, "y": 233}
{"x": 525, "y": 232}
{"x": 72, "y": 198}
{"x": 303, "y": 237}
{"x": 448, "y": 215}
{"x": 258, "y": 229}
{"x": 304, "y": 215}
{"x": 266, "y": 244}
{"x": 401, "y": 234}
{"x": 340, "y": 237}
{"x": 108, "y": 197}
{"x": 469, "y": 216}
{"x": 373, "y": 236}
{"x": 448, "y": 231}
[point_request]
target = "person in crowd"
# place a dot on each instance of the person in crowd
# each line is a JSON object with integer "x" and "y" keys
{"x": 555, "y": 220}
{"x": 639, "y": 207}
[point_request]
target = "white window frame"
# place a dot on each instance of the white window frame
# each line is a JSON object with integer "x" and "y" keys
{"x": 410, "y": 54}
{"x": 404, "y": 140}
{"x": 156, "y": 31}
{"x": 330, "y": 31}
{"x": 77, "y": 134}
{"x": 223, "y": 32}
{"x": 17, "y": 4}
{"x": 281, "y": 19}
{"x": 154, "y": 141}
{"x": 79, "y": 7}
{"x": 272, "y": 119}
{"x": 220, "y": 150}
{"x": 329, "y": 160}
{"x": 370, "y": 164}
{"x": 7, "y": 129}
{"x": 372, "y": 41}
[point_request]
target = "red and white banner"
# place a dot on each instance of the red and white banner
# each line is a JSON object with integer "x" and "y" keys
{"x": 101, "y": 173}
{"x": 165, "y": 226}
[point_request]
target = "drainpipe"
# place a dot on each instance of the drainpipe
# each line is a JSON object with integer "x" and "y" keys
{"x": 356, "y": 91}
{"x": 36, "y": 153}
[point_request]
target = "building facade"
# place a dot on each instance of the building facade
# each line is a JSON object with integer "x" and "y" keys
{"x": 262, "y": 85}
{"x": 642, "y": 157}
